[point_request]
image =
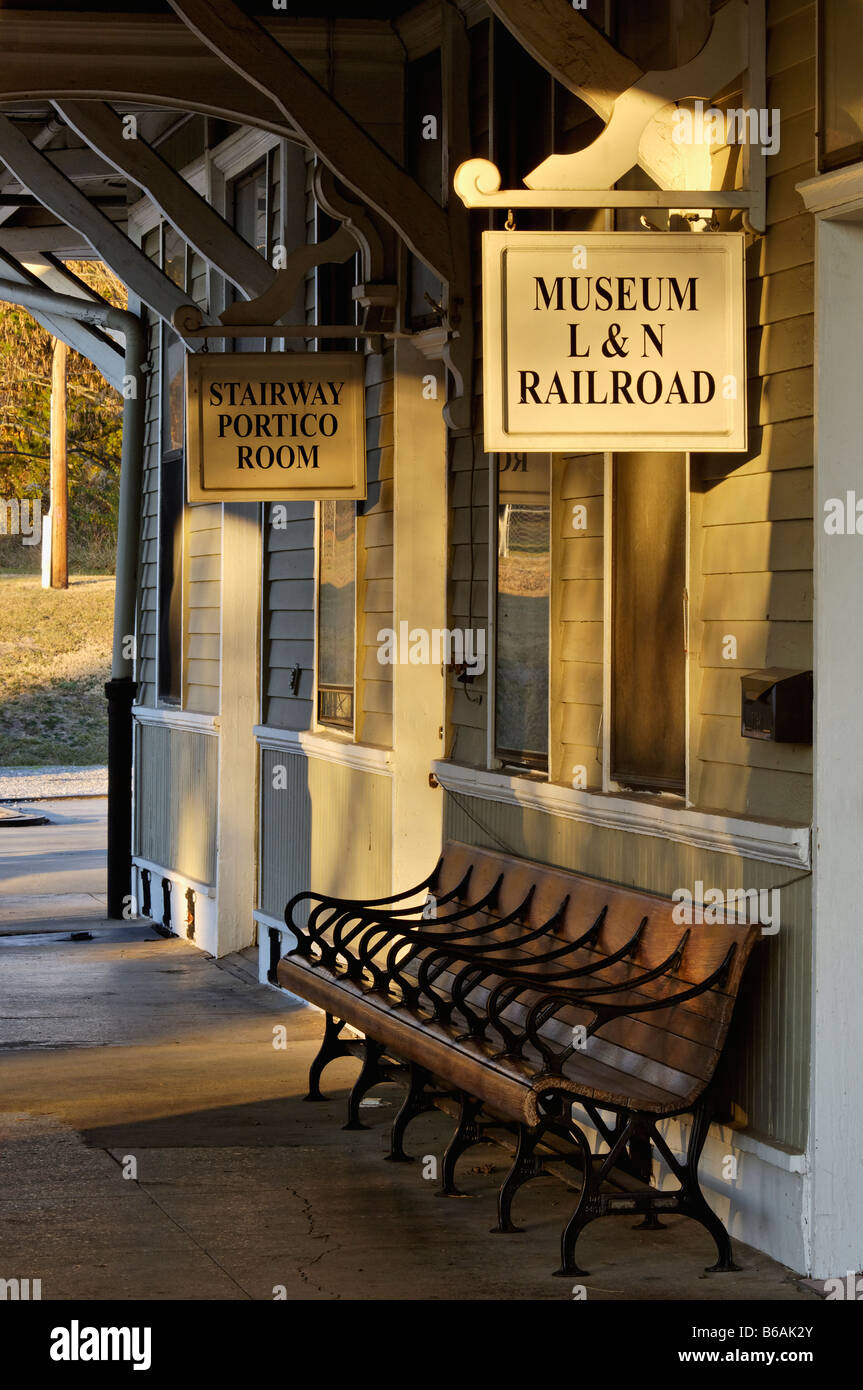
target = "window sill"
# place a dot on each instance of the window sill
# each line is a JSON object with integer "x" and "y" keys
{"x": 770, "y": 841}
{"x": 176, "y": 718}
{"x": 833, "y": 189}
{"x": 329, "y": 748}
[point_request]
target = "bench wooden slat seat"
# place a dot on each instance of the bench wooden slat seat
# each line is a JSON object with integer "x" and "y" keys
{"x": 523, "y": 989}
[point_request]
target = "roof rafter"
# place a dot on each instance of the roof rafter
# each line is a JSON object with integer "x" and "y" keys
{"x": 68, "y": 203}
{"x": 190, "y": 214}
{"x": 91, "y": 342}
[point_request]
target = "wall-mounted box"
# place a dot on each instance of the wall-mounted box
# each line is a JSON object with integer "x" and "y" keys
{"x": 776, "y": 705}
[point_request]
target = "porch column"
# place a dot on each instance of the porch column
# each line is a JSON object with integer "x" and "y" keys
{"x": 238, "y": 800}
{"x": 419, "y": 599}
{"x": 835, "y": 1193}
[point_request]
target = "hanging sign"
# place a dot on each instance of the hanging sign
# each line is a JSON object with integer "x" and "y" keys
{"x": 625, "y": 341}
{"x": 265, "y": 426}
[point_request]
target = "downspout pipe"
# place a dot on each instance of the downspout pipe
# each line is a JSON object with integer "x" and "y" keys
{"x": 120, "y": 690}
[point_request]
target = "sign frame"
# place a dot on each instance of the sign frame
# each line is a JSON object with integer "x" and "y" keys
{"x": 270, "y": 483}
{"x": 500, "y": 438}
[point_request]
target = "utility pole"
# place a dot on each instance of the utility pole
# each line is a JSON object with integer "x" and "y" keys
{"x": 59, "y": 480}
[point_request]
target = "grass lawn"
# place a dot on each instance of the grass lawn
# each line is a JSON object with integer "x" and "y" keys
{"x": 55, "y": 656}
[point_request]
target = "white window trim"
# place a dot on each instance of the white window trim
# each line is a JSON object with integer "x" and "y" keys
{"x": 175, "y": 718}
{"x": 767, "y": 841}
{"x": 839, "y": 188}
{"x": 206, "y": 890}
{"x": 332, "y": 730}
{"x": 327, "y": 748}
{"x": 493, "y": 759}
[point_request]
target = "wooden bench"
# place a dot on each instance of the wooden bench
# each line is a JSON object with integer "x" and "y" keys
{"x": 521, "y": 990}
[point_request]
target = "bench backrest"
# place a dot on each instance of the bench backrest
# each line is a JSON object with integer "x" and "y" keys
{"x": 682, "y": 1042}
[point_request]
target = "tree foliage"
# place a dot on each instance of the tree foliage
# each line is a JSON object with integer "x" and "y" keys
{"x": 94, "y": 417}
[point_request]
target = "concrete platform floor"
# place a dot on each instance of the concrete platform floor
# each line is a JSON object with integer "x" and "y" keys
{"x": 154, "y": 1144}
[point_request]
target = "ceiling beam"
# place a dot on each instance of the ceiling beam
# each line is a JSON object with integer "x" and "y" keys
{"x": 190, "y": 214}
{"x": 43, "y": 137}
{"x": 141, "y": 58}
{"x": 68, "y": 203}
{"x": 55, "y": 240}
{"x": 342, "y": 144}
{"x": 91, "y": 342}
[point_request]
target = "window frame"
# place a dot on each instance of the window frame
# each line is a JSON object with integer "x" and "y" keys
{"x": 609, "y": 784}
{"x": 337, "y": 729}
{"x": 512, "y": 760}
{"x": 827, "y": 162}
{"x": 638, "y": 785}
{"x": 497, "y": 759}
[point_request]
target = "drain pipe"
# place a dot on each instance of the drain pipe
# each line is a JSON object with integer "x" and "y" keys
{"x": 120, "y": 689}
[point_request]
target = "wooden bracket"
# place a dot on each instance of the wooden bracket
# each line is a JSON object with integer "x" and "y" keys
{"x": 641, "y": 130}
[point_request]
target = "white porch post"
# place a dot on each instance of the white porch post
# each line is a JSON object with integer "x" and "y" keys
{"x": 419, "y": 598}
{"x": 834, "y": 1209}
{"x": 237, "y": 834}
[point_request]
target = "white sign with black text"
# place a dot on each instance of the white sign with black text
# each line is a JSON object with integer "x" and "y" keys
{"x": 630, "y": 341}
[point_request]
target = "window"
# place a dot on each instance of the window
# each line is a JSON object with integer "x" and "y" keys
{"x": 840, "y": 114}
{"x": 336, "y": 613}
{"x": 251, "y": 214}
{"x": 251, "y": 206}
{"x": 334, "y": 286}
{"x": 522, "y": 618}
{"x": 648, "y": 575}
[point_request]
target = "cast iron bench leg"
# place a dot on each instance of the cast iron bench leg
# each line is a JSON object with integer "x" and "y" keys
{"x": 585, "y": 1211}
{"x": 370, "y": 1074}
{"x": 693, "y": 1201}
{"x": 525, "y": 1166}
{"x": 416, "y": 1102}
{"x": 332, "y": 1047}
{"x": 467, "y": 1133}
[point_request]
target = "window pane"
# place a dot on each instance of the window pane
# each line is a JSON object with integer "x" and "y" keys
{"x": 170, "y": 578}
{"x": 175, "y": 257}
{"x": 841, "y": 121}
{"x": 173, "y": 404}
{"x": 250, "y": 208}
{"x": 336, "y": 612}
{"x": 648, "y": 743}
{"x": 250, "y": 220}
{"x": 521, "y": 686}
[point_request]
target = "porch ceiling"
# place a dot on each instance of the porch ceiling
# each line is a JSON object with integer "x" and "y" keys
{"x": 145, "y": 61}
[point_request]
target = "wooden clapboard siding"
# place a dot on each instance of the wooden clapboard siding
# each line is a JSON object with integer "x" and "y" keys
{"x": 289, "y": 613}
{"x": 202, "y": 574}
{"x": 771, "y": 1100}
{"x": 202, "y": 566}
{"x": 374, "y": 681}
{"x": 327, "y": 825}
{"x": 148, "y": 592}
{"x": 576, "y": 621}
{"x": 751, "y": 560}
{"x": 177, "y": 776}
